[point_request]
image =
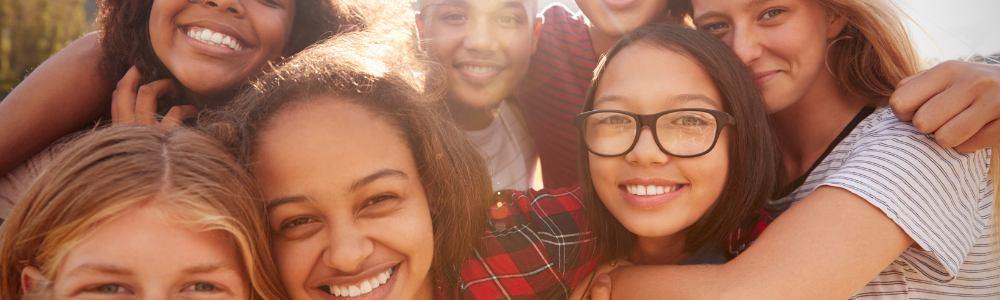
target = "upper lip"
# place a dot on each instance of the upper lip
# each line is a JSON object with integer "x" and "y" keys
{"x": 650, "y": 181}
{"x": 355, "y": 278}
{"x": 220, "y": 28}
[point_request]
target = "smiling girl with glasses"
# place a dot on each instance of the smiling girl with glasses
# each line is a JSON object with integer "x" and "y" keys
{"x": 677, "y": 154}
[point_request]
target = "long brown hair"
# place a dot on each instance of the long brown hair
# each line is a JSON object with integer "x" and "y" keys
{"x": 359, "y": 68}
{"x": 754, "y": 161}
{"x": 107, "y": 172}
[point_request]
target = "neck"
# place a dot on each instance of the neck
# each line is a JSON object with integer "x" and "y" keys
{"x": 472, "y": 118}
{"x": 807, "y": 128}
{"x": 601, "y": 41}
{"x": 668, "y": 250}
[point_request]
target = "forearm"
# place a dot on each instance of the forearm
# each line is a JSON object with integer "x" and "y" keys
{"x": 61, "y": 96}
{"x": 826, "y": 246}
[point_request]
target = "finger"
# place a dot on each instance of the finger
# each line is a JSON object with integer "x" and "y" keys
{"x": 918, "y": 89}
{"x": 989, "y": 136}
{"x": 967, "y": 123}
{"x": 943, "y": 107}
{"x": 145, "y": 103}
{"x": 176, "y": 115}
{"x": 601, "y": 290}
{"x": 123, "y": 98}
{"x": 908, "y": 78}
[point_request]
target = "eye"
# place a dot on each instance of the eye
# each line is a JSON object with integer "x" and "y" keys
{"x": 690, "y": 121}
{"x": 272, "y": 3}
{"x": 454, "y": 18}
{"x": 380, "y": 199}
{"x": 203, "y": 287}
{"x": 108, "y": 288}
{"x": 717, "y": 28}
{"x": 509, "y": 20}
{"x": 296, "y": 222}
{"x": 614, "y": 119}
{"x": 771, "y": 13}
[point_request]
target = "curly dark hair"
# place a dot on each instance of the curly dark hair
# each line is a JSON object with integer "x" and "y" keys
{"x": 123, "y": 27}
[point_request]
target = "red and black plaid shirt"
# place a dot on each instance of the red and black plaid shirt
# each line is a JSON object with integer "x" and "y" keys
{"x": 536, "y": 248}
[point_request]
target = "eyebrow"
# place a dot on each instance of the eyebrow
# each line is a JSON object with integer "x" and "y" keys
{"x": 679, "y": 98}
{"x": 100, "y": 268}
{"x": 383, "y": 173}
{"x": 752, "y": 5}
{"x": 206, "y": 268}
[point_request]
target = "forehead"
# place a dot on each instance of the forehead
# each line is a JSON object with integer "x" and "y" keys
{"x": 530, "y": 5}
{"x": 151, "y": 240}
{"x": 323, "y": 145}
{"x": 648, "y": 75}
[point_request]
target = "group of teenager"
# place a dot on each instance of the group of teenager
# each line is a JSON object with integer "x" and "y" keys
{"x": 328, "y": 149}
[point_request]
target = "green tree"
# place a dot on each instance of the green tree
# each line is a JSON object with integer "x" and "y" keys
{"x": 32, "y": 30}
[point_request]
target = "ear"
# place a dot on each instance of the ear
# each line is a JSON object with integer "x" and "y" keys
{"x": 32, "y": 280}
{"x": 419, "y": 20}
{"x": 837, "y": 23}
{"x": 536, "y": 33}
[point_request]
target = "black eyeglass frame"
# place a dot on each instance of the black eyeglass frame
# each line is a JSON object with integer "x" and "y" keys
{"x": 722, "y": 119}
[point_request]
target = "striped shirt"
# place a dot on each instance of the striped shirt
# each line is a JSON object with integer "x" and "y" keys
{"x": 553, "y": 93}
{"x": 507, "y": 149}
{"x": 942, "y": 199}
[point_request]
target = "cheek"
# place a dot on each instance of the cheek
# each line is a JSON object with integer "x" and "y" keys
{"x": 708, "y": 172}
{"x": 275, "y": 32}
{"x": 602, "y": 172}
{"x": 295, "y": 259}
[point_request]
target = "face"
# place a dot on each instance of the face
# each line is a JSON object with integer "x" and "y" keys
{"x": 211, "y": 46}
{"x": 784, "y": 42}
{"x": 145, "y": 254}
{"x": 617, "y": 17}
{"x": 346, "y": 203}
{"x": 653, "y": 194}
{"x": 484, "y": 46}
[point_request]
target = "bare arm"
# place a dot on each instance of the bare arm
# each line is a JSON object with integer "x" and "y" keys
{"x": 827, "y": 246}
{"x": 62, "y": 95}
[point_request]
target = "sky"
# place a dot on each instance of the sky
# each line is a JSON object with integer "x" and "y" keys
{"x": 941, "y": 30}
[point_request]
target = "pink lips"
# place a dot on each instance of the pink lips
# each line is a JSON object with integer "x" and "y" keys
{"x": 649, "y": 201}
{"x": 763, "y": 77}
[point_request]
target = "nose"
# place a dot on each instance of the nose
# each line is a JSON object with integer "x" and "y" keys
{"x": 479, "y": 36}
{"x": 234, "y": 7}
{"x": 746, "y": 45}
{"x": 349, "y": 248}
{"x": 646, "y": 152}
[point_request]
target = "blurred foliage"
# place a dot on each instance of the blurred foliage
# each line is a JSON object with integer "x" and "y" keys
{"x": 32, "y": 30}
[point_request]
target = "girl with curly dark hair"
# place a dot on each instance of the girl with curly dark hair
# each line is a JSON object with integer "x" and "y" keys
{"x": 168, "y": 58}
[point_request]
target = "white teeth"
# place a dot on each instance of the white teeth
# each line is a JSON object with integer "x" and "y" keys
{"x": 215, "y": 38}
{"x": 650, "y": 190}
{"x": 479, "y": 69}
{"x": 364, "y": 287}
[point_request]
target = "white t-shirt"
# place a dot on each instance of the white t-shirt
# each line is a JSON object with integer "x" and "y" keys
{"x": 941, "y": 198}
{"x": 507, "y": 149}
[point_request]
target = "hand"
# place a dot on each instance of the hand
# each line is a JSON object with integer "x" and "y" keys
{"x": 134, "y": 104}
{"x": 957, "y": 102}
{"x": 599, "y": 288}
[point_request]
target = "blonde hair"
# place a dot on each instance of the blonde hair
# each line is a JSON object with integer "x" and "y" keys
{"x": 105, "y": 173}
{"x": 873, "y": 52}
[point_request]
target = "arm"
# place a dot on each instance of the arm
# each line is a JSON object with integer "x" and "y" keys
{"x": 62, "y": 95}
{"x": 957, "y": 102}
{"x": 827, "y": 246}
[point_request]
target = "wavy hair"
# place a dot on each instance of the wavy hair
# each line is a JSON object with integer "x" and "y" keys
{"x": 106, "y": 173}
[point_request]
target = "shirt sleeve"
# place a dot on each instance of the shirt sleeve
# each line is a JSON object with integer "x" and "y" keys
{"x": 941, "y": 198}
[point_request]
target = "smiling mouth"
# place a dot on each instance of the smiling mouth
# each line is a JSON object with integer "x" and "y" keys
{"x": 360, "y": 288}
{"x": 213, "y": 38}
{"x": 651, "y": 190}
{"x": 478, "y": 72}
